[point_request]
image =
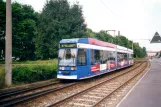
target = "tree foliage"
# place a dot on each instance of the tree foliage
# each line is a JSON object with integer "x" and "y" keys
{"x": 138, "y": 51}
{"x": 122, "y": 40}
{"x": 2, "y": 28}
{"x": 24, "y": 22}
{"x": 58, "y": 20}
{"x": 24, "y": 29}
{"x": 102, "y": 35}
{"x": 90, "y": 33}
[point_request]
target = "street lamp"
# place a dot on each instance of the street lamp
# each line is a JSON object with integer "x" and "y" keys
{"x": 113, "y": 34}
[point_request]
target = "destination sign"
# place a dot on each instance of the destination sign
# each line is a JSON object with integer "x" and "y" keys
{"x": 68, "y": 45}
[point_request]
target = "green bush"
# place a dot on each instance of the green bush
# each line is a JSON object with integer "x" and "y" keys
{"x": 33, "y": 73}
{"x": 2, "y": 79}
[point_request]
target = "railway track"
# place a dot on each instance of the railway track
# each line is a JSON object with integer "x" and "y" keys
{"x": 94, "y": 95}
{"x": 8, "y": 93}
{"x": 14, "y": 97}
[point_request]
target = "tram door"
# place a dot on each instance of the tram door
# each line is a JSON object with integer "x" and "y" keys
{"x": 82, "y": 63}
{"x": 94, "y": 61}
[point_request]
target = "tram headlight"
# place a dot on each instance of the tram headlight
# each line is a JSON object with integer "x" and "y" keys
{"x": 73, "y": 68}
{"x": 61, "y": 68}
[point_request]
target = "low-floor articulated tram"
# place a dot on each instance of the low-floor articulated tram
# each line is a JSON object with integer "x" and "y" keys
{"x": 83, "y": 58}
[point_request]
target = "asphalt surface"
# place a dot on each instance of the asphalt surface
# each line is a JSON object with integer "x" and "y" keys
{"x": 147, "y": 93}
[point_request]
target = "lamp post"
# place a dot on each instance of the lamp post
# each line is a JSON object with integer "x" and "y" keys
{"x": 113, "y": 33}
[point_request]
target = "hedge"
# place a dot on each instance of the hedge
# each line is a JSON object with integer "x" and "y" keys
{"x": 33, "y": 73}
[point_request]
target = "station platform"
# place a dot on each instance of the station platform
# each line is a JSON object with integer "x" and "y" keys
{"x": 147, "y": 92}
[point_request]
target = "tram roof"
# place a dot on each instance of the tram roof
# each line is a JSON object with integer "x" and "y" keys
{"x": 88, "y": 41}
{"x": 93, "y": 42}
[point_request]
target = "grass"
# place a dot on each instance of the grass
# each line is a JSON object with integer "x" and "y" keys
{"x": 138, "y": 59}
{"x": 39, "y": 62}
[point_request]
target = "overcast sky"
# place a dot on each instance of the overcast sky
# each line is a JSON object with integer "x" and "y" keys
{"x": 135, "y": 19}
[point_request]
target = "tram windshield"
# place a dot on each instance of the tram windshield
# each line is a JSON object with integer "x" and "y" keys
{"x": 67, "y": 57}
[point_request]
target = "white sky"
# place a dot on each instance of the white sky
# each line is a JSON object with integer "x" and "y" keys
{"x": 136, "y": 19}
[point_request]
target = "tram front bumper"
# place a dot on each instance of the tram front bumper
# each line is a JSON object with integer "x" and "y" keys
{"x": 67, "y": 76}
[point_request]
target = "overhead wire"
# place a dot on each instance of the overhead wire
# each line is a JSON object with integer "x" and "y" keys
{"x": 108, "y": 8}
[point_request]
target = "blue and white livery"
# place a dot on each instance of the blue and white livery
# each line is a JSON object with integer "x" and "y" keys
{"x": 83, "y": 58}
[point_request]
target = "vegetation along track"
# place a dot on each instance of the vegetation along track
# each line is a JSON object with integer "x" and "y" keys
{"x": 13, "y": 97}
{"x": 94, "y": 95}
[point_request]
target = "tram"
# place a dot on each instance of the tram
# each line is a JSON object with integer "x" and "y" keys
{"x": 81, "y": 58}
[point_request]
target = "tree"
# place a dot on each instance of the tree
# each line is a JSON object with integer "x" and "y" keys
{"x": 24, "y": 31}
{"x": 2, "y": 28}
{"x": 90, "y": 33}
{"x": 102, "y": 35}
{"x": 130, "y": 44}
{"x": 122, "y": 41}
{"x": 24, "y": 21}
{"x": 58, "y": 20}
{"x": 138, "y": 51}
{"x": 144, "y": 52}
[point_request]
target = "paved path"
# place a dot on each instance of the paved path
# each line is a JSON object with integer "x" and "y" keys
{"x": 147, "y": 92}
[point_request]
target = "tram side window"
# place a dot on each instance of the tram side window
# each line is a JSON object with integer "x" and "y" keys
{"x": 125, "y": 56}
{"x": 95, "y": 56}
{"x": 107, "y": 55}
{"x": 104, "y": 57}
{"x": 120, "y": 56}
{"x": 130, "y": 56}
{"x": 111, "y": 56}
{"x": 92, "y": 57}
{"x": 82, "y": 57}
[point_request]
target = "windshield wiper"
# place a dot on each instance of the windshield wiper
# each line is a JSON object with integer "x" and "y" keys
{"x": 73, "y": 58}
{"x": 70, "y": 62}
